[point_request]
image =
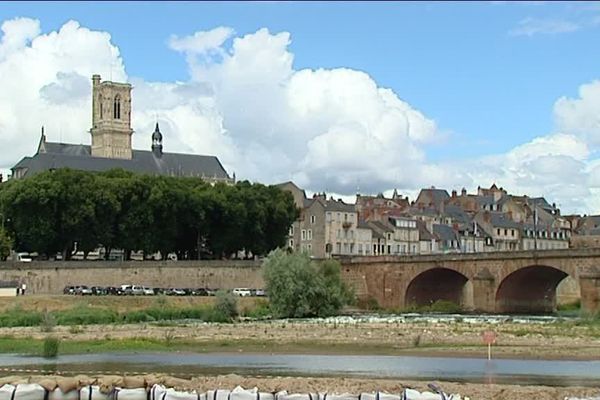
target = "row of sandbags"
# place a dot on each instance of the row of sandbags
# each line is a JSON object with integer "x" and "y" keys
{"x": 145, "y": 388}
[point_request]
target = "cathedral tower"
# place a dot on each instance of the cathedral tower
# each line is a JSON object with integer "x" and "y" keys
{"x": 111, "y": 119}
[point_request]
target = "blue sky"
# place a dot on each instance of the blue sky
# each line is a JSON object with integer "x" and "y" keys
{"x": 488, "y": 74}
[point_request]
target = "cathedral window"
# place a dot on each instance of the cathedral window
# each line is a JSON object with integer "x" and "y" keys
{"x": 117, "y": 107}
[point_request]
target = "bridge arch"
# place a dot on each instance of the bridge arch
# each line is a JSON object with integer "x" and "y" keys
{"x": 437, "y": 284}
{"x": 531, "y": 289}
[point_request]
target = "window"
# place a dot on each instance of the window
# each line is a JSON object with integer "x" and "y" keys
{"x": 309, "y": 234}
{"x": 328, "y": 217}
{"x": 512, "y": 232}
{"x": 100, "y": 101}
{"x": 360, "y": 248}
{"x": 498, "y": 231}
{"x": 309, "y": 247}
{"x": 339, "y": 216}
{"x": 339, "y": 233}
{"x": 303, "y": 234}
{"x": 313, "y": 219}
{"x": 389, "y": 236}
{"x": 389, "y": 249}
{"x": 338, "y": 247}
{"x": 291, "y": 232}
{"x": 345, "y": 217}
{"x": 292, "y": 243}
{"x": 117, "y": 107}
{"x": 506, "y": 232}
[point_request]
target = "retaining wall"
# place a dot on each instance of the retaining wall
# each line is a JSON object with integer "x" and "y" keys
{"x": 50, "y": 277}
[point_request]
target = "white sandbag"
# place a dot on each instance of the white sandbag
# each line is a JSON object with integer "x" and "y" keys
{"x": 92, "y": 392}
{"x": 334, "y": 396}
{"x": 239, "y": 393}
{"x": 58, "y": 394}
{"x": 162, "y": 393}
{"x": 284, "y": 395}
{"x": 130, "y": 394}
{"x": 218, "y": 394}
{"x": 379, "y": 396}
{"x": 24, "y": 391}
{"x": 411, "y": 394}
{"x": 6, "y": 391}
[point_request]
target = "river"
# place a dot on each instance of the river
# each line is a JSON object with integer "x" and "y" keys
{"x": 531, "y": 372}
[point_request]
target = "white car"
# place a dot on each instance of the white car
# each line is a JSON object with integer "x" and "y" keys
{"x": 23, "y": 257}
{"x": 242, "y": 292}
{"x": 147, "y": 291}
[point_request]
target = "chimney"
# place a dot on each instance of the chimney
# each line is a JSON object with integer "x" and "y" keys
{"x": 486, "y": 216}
{"x": 453, "y": 193}
{"x": 463, "y": 192}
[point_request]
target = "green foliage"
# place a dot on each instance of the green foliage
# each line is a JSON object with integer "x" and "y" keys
{"x": 299, "y": 287}
{"x": 226, "y": 304}
{"x": 261, "y": 310}
{"x": 51, "y": 345}
{"x": 58, "y": 211}
{"x": 48, "y": 322}
{"x": 6, "y": 244}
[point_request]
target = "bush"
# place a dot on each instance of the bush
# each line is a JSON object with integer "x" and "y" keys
{"x": 48, "y": 322}
{"x": 226, "y": 304}
{"x": 51, "y": 345}
{"x": 445, "y": 306}
{"x": 299, "y": 287}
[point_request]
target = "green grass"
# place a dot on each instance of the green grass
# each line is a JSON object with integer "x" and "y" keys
{"x": 85, "y": 315}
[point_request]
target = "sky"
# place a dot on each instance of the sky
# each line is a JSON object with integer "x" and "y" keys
{"x": 338, "y": 97}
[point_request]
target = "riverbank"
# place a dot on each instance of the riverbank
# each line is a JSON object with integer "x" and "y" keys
{"x": 559, "y": 340}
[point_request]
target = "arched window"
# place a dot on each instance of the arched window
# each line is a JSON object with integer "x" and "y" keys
{"x": 100, "y": 100}
{"x": 117, "y": 107}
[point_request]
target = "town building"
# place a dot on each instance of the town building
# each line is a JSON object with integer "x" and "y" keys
{"x": 111, "y": 147}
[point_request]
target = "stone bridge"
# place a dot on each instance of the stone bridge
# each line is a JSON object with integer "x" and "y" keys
{"x": 523, "y": 281}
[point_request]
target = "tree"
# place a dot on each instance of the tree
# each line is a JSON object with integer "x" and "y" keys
{"x": 5, "y": 245}
{"x": 300, "y": 287}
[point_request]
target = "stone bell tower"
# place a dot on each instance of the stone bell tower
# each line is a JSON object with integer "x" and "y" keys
{"x": 111, "y": 119}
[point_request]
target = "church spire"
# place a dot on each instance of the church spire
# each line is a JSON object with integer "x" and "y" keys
{"x": 157, "y": 142}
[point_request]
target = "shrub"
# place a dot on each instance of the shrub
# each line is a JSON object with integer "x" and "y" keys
{"x": 445, "y": 306}
{"x": 299, "y": 287}
{"x": 226, "y": 304}
{"x": 261, "y": 310}
{"x": 51, "y": 345}
{"x": 48, "y": 322}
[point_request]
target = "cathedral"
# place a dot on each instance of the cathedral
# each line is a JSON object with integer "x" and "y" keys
{"x": 111, "y": 145}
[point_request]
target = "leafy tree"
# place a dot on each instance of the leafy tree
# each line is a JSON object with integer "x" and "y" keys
{"x": 226, "y": 304}
{"x": 299, "y": 287}
{"x": 5, "y": 245}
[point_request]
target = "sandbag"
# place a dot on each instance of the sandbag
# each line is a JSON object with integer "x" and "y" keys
{"x": 172, "y": 394}
{"x": 333, "y": 396}
{"x": 107, "y": 383}
{"x": 239, "y": 393}
{"x": 130, "y": 394}
{"x": 47, "y": 383}
{"x": 59, "y": 394}
{"x": 156, "y": 392}
{"x": 379, "y": 396}
{"x": 13, "y": 380}
{"x": 218, "y": 394}
{"x": 92, "y": 392}
{"x": 179, "y": 384}
{"x": 132, "y": 382}
{"x": 22, "y": 391}
{"x": 284, "y": 395}
{"x": 411, "y": 394}
{"x": 66, "y": 384}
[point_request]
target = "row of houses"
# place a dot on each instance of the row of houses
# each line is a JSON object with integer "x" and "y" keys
{"x": 435, "y": 222}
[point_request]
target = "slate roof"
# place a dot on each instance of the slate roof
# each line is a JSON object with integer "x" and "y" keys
{"x": 501, "y": 220}
{"x": 338, "y": 205}
{"x": 444, "y": 232}
{"x": 424, "y": 233}
{"x": 62, "y": 155}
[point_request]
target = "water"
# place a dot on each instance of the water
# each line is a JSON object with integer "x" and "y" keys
{"x": 533, "y": 372}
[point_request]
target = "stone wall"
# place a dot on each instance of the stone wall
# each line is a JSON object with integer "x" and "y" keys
{"x": 50, "y": 277}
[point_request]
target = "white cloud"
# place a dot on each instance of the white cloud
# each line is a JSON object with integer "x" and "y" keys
{"x": 326, "y": 129}
{"x": 534, "y": 26}
{"x": 581, "y": 116}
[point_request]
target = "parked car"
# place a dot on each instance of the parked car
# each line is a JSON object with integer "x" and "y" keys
{"x": 147, "y": 291}
{"x": 83, "y": 290}
{"x": 137, "y": 290}
{"x": 175, "y": 292}
{"x": 23, "y": 257}
{"x": 260, "y": 293}
{"x": 242, "y": 292}
{"x": 98, "y": 291}
{"x": 200, "y": 292}
{"x": 69, "y": 290}
{"x": 114, "y": 291}
{"x": 126, "y": 290}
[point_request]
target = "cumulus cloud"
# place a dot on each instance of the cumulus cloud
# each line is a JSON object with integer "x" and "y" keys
{"x": 326, "y": 129}
{"x": 535, "y": 26}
